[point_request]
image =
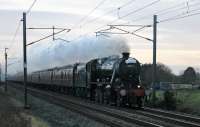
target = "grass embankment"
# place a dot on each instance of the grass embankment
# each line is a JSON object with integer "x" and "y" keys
{"x": 187, "y": 101}
{"x": 52, "y": 115}
{"x": 12, "y": 113}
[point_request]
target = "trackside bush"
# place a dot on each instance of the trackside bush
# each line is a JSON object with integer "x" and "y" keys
{"x": 169, "y": 100}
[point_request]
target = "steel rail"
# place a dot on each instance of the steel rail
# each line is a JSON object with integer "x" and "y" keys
{"x": 169, "y": 119}
{"x": 185, "y": 117}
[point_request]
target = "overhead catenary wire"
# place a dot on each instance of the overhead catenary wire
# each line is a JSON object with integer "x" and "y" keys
{"x": 18, "y": 61}
{"x": 15, "y": 34}
{"x": 95, "y": 9}
{"x": 181, "y": 17}
{"x": 133, "y": 12}
{"x": 180, "y": 8}
{"x": 85, "y": 17}
{"x": 125, "y": 31}
{"x": 47, "y": 36}
{"x": 13, "y": 40}
{"x": 174, "y": 7}
{"x": 137, "y": 10}
{"x": 185, "y": 14}
{"x": 164, "y": 11}
{"x": 122, "y": 6}
{"x": 92, "y": 31}
{"x": 29, "y": 9}
{"x": 108, "y": 12}
{"x": 126, "y": 4}
{"x": 160, "y": 11}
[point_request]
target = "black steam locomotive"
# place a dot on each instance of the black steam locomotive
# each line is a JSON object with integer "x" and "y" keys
{"x": 111, "y": 80}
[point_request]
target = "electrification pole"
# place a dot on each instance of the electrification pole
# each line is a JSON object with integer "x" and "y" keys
{"x": 0, "y": 74}
{"x": 154, "y": 55}
{"x": 26, "y": 106}
{"x": 6, "y": 69}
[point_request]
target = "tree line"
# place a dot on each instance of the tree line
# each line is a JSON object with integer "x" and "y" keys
{"x": 164, "y": 74}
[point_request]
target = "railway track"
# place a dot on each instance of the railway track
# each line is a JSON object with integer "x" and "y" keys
{"x": 106, "y": 116}
{"x": 171, "y": 118}
{"x": 185, "y": 117}
{"x": 119, "y": 117}
{"x": 175, "y": 117}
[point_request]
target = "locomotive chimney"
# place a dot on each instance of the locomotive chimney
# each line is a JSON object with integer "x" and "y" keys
{"x": 125, "y": 55}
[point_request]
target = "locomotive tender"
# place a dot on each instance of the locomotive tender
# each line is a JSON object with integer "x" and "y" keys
{"x": 112, "y": 80}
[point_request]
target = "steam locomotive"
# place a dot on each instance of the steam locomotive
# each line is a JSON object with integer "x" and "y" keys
{"x": 111, "y": 80}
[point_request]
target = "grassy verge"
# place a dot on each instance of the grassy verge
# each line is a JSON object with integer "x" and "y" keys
{"x": 44, "y": 114}
{"x": 187, "y": 101}
{"x": 12, "y": 113}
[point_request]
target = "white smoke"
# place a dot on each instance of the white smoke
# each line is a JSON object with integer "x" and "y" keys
{"x": 62, "y": 53}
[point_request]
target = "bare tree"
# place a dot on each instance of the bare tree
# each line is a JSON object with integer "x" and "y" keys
{"x": 189, "y": 75}
{"x": 164, "y": 74}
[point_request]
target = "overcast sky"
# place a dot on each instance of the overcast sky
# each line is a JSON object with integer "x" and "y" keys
{"x": 178, "y": 40}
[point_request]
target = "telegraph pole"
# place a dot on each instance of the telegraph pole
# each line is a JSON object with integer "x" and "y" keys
{"x": 26, "y": 106}
{"x": 154, "y": 55}
{"x": 6, "y": 69}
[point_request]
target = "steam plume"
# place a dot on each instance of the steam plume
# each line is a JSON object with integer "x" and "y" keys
{"x": 82, "y": 50}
